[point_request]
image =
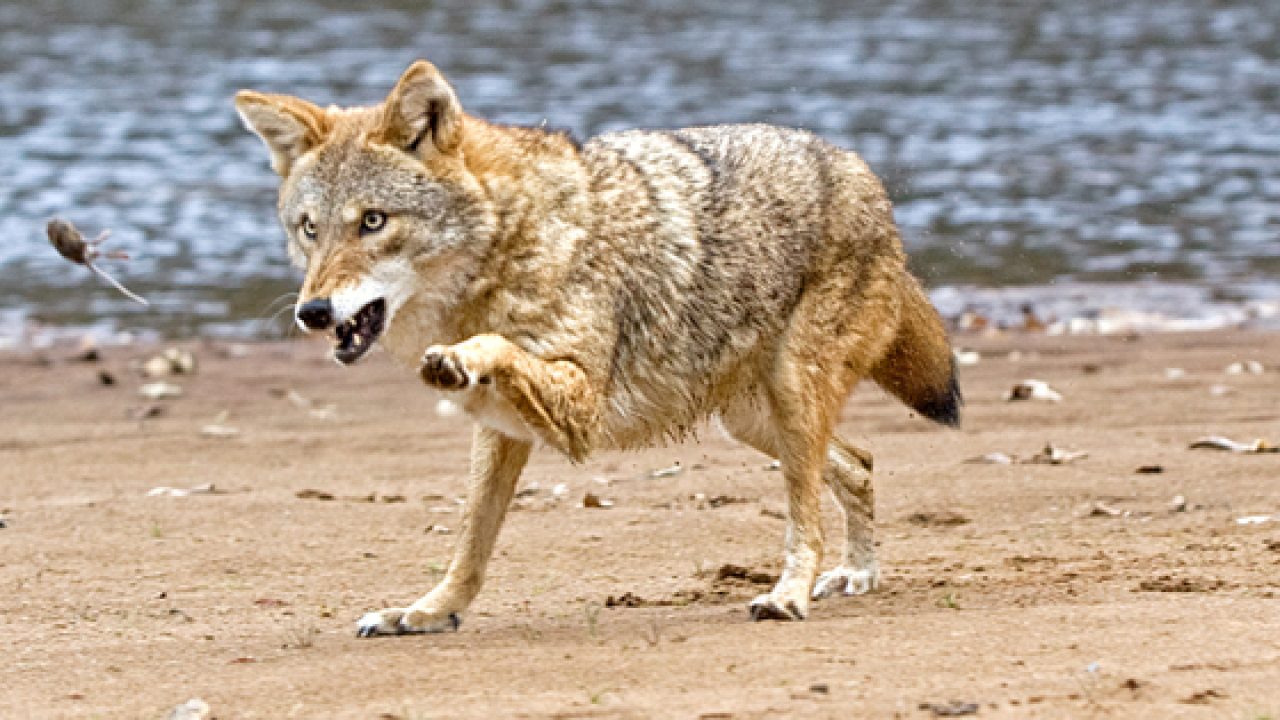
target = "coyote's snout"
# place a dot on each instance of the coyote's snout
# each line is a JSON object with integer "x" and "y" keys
{"x": 610, "y": 295}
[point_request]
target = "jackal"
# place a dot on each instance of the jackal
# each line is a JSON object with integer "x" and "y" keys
{"x": 610, "y": 295}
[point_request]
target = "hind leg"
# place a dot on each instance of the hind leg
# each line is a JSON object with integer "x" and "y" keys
{"x": 848, "y": 474}
{"x": 796, "y": 439}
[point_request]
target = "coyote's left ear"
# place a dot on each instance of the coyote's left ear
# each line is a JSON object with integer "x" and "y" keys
{"x": 288, "y": 125}
{"x": 421, "y": 112}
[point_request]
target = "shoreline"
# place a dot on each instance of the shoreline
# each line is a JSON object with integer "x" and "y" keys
{"x": 1065, "y": 308}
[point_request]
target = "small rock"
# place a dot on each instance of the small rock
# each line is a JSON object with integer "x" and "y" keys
{"x": 995, "y": 458}
{"x": 1178, "y": 504}
{"x": 156, "y": 367}
{"x": 164, "y": 491}
{"x": 1217, "y": 442}
{"x": 955, "y": 708}
{"x": 1033, "y": 390}
{"x": 775, "y": 465}
{"x": 1053, "y": 455}
{"x": 591, "y": 500}
{"x": 88, "y": 350}
{"x": 820, "y": 689}
{"x": 1254, "y": 519}
{"x": 559, "y": 491}
{"x": 675, "y": 469}
{"x": 1245, "y": 367}
{"x": 313, "y": 495}
{"x": 967, "y": 357}
{"x": 182, "y": 362}
{"x": 942, "y": 518}
{"x": 160, "y": 391}
{"x": 195, "y": 708}
{"x": 219, "y": 431}
{"x": 146, "y": 412}
{"x": 447, "y": 409}
{"x": 219, "y": 428}
{"x": 1101, "y": 509}
{"x": 106, "y": 379}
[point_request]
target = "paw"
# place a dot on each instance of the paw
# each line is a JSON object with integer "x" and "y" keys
{"x": 846, "y": 580}
{"x": 774, "y": 606}
{"x": 442, "y": 368}
{"x": 404, "y": 621}
{"x": 469, "y": 363}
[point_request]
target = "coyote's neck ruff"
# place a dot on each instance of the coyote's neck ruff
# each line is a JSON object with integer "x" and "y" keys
{"x": 609, "y": 295}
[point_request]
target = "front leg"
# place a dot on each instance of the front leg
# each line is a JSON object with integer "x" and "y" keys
{"x": 554, "y": 398}
{"x": 496, "y": 462}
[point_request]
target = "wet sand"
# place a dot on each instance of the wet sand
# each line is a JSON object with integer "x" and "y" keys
{"x": 1007, "y": 586}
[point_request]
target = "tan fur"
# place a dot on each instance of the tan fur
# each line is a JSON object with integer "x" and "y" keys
{"x": 615, "y": 295}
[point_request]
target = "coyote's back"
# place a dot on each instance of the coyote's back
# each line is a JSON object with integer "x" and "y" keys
{"x": 706, "y": 242}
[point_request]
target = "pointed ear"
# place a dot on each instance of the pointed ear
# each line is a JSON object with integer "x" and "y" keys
{"x": 288, "y": 125}
{"x": 421, "y": 112}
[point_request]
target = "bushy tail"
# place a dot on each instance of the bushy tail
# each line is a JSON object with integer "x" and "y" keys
{"x": 919, "y": 368}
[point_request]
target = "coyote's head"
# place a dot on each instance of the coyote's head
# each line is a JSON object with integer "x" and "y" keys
{"x": 376, "y": 202}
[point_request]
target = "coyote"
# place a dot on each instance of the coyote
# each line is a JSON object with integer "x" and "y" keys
{"x": 613, "y": 294}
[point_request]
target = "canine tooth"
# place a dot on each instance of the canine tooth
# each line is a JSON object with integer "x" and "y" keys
{"x": 357, "y": 341}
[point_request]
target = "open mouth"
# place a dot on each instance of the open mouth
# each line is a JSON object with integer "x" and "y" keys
{"x": 358, "y": 334}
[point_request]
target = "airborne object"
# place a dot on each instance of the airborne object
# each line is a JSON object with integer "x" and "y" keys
{"x": 70, "y": 244}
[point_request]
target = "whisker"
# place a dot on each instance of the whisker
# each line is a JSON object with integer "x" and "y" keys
{"x": 282, "y": 303}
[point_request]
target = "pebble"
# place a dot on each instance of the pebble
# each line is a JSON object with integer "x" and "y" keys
{"x": 1033, "y": 390}
{"x": 1245, "y": 367}
{"x": 160, "y": 391}
{"x": 193, "y": 709}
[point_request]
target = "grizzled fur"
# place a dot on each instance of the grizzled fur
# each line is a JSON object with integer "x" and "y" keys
{"x": 613, "y": 295}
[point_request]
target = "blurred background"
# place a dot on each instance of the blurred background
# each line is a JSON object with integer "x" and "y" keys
{"x": 1074, "y": 155}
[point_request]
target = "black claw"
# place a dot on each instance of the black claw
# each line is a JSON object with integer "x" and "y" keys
{"x": 794, "y": 609}
{"x": 769, "y": 610}
{"x": 455, "y": 621}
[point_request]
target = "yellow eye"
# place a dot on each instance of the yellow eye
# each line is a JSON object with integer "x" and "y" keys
{"x": 309, "y": 228}
{"x": 373, "y": 221}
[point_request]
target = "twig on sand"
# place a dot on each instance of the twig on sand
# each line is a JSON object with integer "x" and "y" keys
{"x": 70, "y": 244}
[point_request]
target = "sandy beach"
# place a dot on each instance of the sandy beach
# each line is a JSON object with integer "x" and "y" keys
{"x": 1027, "y": 589}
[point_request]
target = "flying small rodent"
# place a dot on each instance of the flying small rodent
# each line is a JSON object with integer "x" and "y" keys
{"x": 70, "y": 244}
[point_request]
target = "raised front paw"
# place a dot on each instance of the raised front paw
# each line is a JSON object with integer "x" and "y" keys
{"x": 405, "y": 621}
{"x": 469, "y": 363}
{"x": 442, "y": 368}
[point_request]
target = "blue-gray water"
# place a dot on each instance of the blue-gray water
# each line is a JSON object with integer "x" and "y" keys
{"x": 1025, "y": 142}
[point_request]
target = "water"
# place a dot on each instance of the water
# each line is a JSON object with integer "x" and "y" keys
{"x": 1027, "y": 142}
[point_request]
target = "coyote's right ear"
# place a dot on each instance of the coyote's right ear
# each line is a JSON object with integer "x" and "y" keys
{"x": 421, "y": 111}
{"x": 288, "y": 125}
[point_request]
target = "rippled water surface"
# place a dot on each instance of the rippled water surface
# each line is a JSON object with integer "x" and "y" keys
{"x": 1024, "y": 142}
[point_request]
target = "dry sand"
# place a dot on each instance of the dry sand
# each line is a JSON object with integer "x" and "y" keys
{"x": 1001, "y": 587}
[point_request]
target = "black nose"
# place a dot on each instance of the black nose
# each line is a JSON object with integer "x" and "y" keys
{"x": 316, "y": 314}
